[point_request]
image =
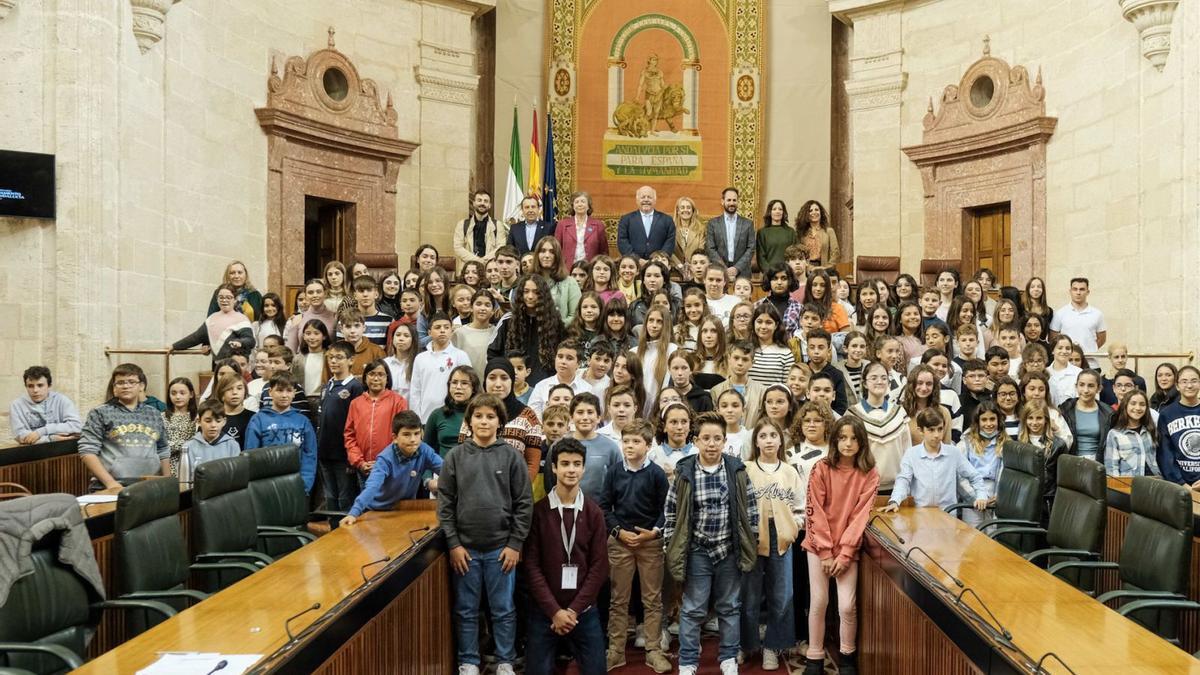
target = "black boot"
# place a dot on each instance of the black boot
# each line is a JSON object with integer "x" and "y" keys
{"x": 814, "y": 666}
{"x": 848, "y": 663}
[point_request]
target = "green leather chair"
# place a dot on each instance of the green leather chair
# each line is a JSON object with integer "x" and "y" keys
{"x": 51, "y": 614}
{"x": 1019, "y": 497}
{"x": 223, "y": 525}
{"x": 1077, "y": 521}
{"x": 280, "y": 504}
{"x": 1155, "y": 558}
{"x": 151, "y": 553}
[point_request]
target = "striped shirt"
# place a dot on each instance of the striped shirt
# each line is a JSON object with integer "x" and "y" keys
{"x": 771, "y": 365}
{"x": 854, "y": 378}
{"x": 375, "y": 328}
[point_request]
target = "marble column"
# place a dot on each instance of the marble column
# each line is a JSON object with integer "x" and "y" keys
{"x": 85, "y": 119}
{"x": 616, "y": 89}
{"x": 874, "y": 90}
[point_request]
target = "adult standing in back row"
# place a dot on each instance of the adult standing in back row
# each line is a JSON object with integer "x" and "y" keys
{"x": 646, "y": 230}
{"x": 581, "y": 236}
{"x": 1081, "y": 322}
{"x": 816, "y": 236}
{"x": 730, "y": 237}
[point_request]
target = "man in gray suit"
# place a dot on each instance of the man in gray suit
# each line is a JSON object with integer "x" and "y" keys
{"x": 730, "y": 237}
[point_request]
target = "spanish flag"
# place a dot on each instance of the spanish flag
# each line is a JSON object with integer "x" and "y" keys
{"x": 535, "y": 161}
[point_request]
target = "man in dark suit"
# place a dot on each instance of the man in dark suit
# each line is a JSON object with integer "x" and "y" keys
{"x": 525, "y": 235}
{"x": 646, "y": 230}
{"x": 729, "y": 240}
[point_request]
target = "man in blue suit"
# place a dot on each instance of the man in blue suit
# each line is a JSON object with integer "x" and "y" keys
{"x": 646, "y": 230}
{"x": 524, "y": 235}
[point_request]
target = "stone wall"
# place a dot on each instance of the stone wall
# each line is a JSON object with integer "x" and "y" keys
{"x": 162, "y": 166}
{"x": 1121, "y": 167}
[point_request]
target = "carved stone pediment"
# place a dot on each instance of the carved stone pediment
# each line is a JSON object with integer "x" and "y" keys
{"x": 994, "y": 105}
{"x": 325, "y": 91}
{"x": 987, "y": 145}
{"x": 328, "y": 136}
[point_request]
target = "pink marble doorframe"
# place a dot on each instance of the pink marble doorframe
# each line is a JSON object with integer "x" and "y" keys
{"x": 328, "y": 136}
{"x": 985, "y": 146}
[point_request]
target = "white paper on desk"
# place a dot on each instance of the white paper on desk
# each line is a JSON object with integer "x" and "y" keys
{"x": 96, "y": 499}
{"x": 196, "y": 663}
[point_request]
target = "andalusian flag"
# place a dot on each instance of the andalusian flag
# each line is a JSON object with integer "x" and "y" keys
{"x": 535, "y": 160}
{"x": 512, "y": 191}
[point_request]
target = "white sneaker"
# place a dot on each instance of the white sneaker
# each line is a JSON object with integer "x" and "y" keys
{"x": 507, "y": 669}
{"x": 666, "y": 640}
{"x": 729, "y": 667}
{"x": 770, "y": 660}
{"x": 687, "y": 670}
{"x": 468, "y": 669}
{"x": 673, "y": 629}
{"x": 712, "y": 625}
{"x": 640, "y": 640}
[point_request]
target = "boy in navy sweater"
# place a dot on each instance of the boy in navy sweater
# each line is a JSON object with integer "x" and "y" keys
{"x": 339, "y": 478}
{"x": 1179, "y": 432}
{"x": 400, "y": 470}
{"x": 632, "y": 499}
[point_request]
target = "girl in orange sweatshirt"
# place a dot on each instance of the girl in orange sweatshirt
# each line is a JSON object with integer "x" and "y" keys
{"x": 369, "y": 422}
{"x": 841, "y": 491}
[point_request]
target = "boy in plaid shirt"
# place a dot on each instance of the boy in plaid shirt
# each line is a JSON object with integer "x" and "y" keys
{"x": 711, "y": 532}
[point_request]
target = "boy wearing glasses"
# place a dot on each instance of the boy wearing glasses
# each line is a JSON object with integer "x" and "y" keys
{"x": 339, "y": 478}
{"x": 123, "y": 439}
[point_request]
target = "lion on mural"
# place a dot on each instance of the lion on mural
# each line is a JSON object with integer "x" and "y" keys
{"x": 630, "y": 118}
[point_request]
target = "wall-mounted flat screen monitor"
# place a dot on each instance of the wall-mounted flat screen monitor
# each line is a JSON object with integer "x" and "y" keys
{"x": 26, "y": 184}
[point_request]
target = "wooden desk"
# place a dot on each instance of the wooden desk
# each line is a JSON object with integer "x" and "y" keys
{"x": 398, "y": 622}
{"x": 910, "y": 621}
{"x": 1114, "y": 537}
{"x": 45, "y": 468}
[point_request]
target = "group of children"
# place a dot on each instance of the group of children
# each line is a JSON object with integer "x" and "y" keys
{"x": 668, "y": 430}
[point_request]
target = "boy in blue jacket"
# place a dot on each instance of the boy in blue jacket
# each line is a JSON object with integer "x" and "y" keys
{"x": 281, "y": 424}
{"x": 400, "y": 470}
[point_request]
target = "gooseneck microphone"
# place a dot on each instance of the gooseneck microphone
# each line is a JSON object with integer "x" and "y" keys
{"x": 908, "y": 556}
{"x": 287, "y": 625}
{"x": 363, "y": 570}
{"x": 220, "y": 666}
{"x": 883, "y": 520}
{"x": 411, "y": 538}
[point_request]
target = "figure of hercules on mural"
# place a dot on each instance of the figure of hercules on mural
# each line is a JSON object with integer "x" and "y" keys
{"x": 658, "y": 101}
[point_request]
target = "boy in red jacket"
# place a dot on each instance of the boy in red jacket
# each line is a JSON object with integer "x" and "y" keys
{"x": 566, "y": 563}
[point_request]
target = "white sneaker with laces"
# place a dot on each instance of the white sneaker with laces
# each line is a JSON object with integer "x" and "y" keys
{"x": 687, "y": 670}
{"x": 468, "y": 669}
{"x": 770, "y": 660}
{"x": 729, "y": 667}
{"x": 507, "y": 669}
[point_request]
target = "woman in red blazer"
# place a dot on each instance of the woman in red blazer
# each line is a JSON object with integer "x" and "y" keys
{"x": 581, "y": 227}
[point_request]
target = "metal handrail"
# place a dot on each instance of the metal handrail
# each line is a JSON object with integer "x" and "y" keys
{"x": 166, "y": 352}
{"x": 1138, "y": 356}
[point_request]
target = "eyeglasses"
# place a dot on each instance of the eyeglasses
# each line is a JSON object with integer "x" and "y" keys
{"x": 877, "y": 378}
{"x": 127, "y": 383}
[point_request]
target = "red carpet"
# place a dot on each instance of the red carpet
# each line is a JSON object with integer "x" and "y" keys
{"x": 708, "y": 663}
